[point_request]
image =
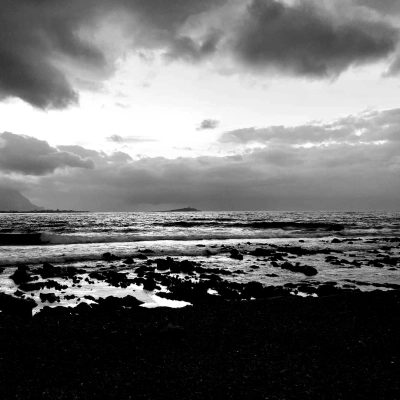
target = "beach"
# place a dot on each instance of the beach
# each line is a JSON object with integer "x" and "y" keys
{"x": 260, "y": 310}
{"x": 343, "y": 346}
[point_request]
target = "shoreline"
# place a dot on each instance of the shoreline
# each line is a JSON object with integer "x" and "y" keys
{"x": 342, "y": 346}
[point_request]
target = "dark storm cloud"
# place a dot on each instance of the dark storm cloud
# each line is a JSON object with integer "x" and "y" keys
{"x": 39, "y": 38}
{"x": 50, "y": 49}
{"x": 208, "y": 124}
{"x": 306, "y": 40}
{"x": 29, "y": 156}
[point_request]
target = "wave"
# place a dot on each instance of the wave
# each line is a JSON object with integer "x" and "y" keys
{"x": 51, "y": 238}
{"x": 285, "y": 225}
{"x": 22, "y": 239}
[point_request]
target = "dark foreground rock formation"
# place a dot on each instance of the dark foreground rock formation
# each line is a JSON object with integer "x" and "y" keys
{"x": 343, "y": 346}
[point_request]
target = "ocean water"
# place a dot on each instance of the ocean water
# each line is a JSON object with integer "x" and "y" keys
{"x": 80, "y": 239}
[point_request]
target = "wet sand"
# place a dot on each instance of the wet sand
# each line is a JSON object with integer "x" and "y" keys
{"x": 332, "y": 347}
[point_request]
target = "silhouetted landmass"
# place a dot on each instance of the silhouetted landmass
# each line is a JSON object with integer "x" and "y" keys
{"x": 186, "y": 209}
{"x": 11, "y": 199}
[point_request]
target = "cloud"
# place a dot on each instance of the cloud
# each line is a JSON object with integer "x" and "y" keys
{"x": 29, "y": 156}
{"x": 46, "y": 44}
{"x": 129, "y": 139}
{"x": 304, "y": 39}
{"x": 353, "y": 163}
{"x": 366, "y": 127}
{"x": 208, "y": 124}
{"x": 382, "y": 6}
{"x": 49, "y": 50}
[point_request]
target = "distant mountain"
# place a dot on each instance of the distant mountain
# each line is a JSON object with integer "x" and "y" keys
{"x": 187, "y": 209}
{"x": 12, "y": 200}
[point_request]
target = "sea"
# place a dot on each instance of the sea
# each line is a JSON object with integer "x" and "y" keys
{"x": 80, "y": 240}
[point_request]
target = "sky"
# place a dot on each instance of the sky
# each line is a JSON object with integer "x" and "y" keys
{"x": 142, "y": 105}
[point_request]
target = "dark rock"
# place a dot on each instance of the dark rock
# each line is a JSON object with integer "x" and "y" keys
{"x": 82, "y": 308}
{"x": 50, "y": 297}
{"x": 16, "y": 306}
{"x": 149, "y": 284}
{"x": 54, "y": 285}
{"x": 253, "y": 289}
{"x": 335, "y": 240}
{"x": 309, "y": 271}
{"x": 21, "y": 275}
{"x": 327, "y": 290}
{"x": 110, "y": 257}
{"x": 305, "y": 269}
{"x": 146, "y": 251}
{"x": 28, "y": 287}
{"x": 112, "y": 303}
{"x": 260, "y": 252}
{"x": 236, "y": 255}
{"x": 129, "y": 261}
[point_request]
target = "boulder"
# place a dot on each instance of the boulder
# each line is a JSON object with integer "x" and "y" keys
{"x": 21, "y": 275}
{"x": 16, "y": 306}
{"x": 236, "y": 255}
{"x": 260, "y": 252}
{"x": 110, "y": 257}
{"x": 50, "y": 297}
{"x": 28, "y": 287}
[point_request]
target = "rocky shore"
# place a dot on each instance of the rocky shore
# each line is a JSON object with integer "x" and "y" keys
{"x": 285, "y": 347}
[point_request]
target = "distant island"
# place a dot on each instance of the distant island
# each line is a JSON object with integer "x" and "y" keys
{"x": 186, "y": 209}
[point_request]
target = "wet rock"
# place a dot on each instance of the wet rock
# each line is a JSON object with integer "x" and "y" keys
{"x": 187, "y": 266}
{"x": 309, "y": 271}
{"x": 28, "y": 287}
{"x": 327, "y": 290}
{"x": 146, "y": 251}
{"x": 54, "y": 285}
{"x": 21, "y": 275}
{"x": 305, "y": 269}
{"x": 50, "y": 297}
{"x": 16, "y": 306}
{"x": 112, "y": 303}
{"x": 141, "y": 257}
{"x": 82, "y": 308}
{"x": 129, "y": 261}
{"x": 253, "y": 289}
{"x": 110, "y": 257}
{"x": 97, "y": 275}
{"x": 50, "y": 271}
{"x": 236, "y": 255}
{"x": 164, "y": 265}
{"x": 260, "y": 252}
{"x": 335, "y": 240}
{"x": 149, "y": 284}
